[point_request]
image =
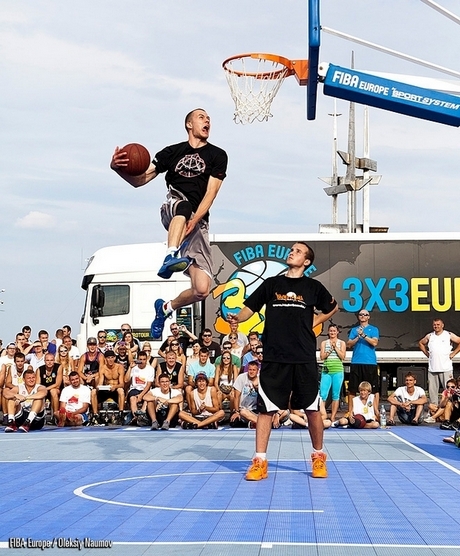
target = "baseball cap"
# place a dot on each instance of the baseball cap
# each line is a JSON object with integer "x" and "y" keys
{"x": 201, "y": 376}
{"x": 91, "y": 340}
{"x": 109, "y": 353}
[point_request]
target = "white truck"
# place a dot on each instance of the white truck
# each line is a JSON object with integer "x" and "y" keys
{"x": 404, "y": 280}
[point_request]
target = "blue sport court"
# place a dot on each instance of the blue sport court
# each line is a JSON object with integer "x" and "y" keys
{"x": 130, "y": 491}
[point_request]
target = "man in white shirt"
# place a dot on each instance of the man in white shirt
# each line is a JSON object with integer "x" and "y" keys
{"x": 407, "y": 402}
{"x": 163, "y": 404}
{"x": 437, "y": 346}
{"x": 245, "y": 397}
{"x": 26, "y": 404}
{"x": 74, "y": 403}
{"x": 141, "y": 376}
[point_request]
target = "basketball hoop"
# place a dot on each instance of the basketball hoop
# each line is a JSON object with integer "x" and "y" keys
{"x": 254, "y": 80}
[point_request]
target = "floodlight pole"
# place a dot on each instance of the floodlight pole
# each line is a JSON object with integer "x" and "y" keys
{"x": 366, "y": 188}
{"x": 350, "y": 177}
{"x": 335, "y": 175}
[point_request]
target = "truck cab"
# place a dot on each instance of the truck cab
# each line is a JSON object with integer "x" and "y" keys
{"x": 122, "y": 285}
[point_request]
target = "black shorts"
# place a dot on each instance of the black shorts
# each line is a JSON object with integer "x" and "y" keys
{"x": 133, "y": 392}
{"x": 104, "y": 395}
{"x": 288, "y": 385}
{"x": 23, "y": 414}
{"x": 360, "y": 373}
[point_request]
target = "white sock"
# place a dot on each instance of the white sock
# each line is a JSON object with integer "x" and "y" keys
{"x": 167, "y": 307}
{"x": 321, "y": 451}
{"x": 261, "y": 455}
{"x": 171, "y": 250}
{"x": 31, "y": 416}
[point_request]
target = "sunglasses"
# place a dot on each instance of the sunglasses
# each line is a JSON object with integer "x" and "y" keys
{"x": 126, "y": 329}
{"x": 207, "y": 335}
{"x": 174, "y": 344}
{"x": 259, "y": 352}
{"x": 363, "y": 314}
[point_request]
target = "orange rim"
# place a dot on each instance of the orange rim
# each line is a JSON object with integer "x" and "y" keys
{"x": 299, "y": 68}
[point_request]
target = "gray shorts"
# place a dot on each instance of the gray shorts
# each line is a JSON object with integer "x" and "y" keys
{"x": 198, "y": 247}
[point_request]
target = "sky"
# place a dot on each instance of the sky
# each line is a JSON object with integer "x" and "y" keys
{"x": 79, "y": 78}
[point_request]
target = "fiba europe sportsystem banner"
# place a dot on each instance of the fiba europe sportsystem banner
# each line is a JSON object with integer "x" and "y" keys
{"x": 404, "y": 284}
{"x": 371, "y": 90}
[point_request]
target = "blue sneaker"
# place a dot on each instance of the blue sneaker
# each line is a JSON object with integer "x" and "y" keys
{"x": 173, "y": 264}
{"x": 156, "y": 330}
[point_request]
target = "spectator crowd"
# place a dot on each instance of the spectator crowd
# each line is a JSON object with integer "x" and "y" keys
{"x": 197, "y": 382}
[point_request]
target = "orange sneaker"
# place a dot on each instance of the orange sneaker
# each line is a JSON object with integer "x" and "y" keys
{"x": 258, "y": 470}
{"x": 319, "y": 469}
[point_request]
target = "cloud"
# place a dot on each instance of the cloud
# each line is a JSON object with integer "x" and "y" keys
{"x": 62, "y": 60}
{"x": 36, "y": 220}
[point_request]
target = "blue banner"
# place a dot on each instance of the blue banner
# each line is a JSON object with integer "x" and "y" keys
{"x": 394, "y": 96}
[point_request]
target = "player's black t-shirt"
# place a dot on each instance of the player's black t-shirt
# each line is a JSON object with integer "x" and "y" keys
{"x": 188, "y": 169}
{"x": 288, "y": 335}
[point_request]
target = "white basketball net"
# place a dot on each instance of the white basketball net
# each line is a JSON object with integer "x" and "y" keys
{"x": 253, "y": 85}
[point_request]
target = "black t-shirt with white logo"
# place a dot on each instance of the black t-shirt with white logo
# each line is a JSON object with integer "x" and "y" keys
{"x": 288, "y": 335}
{"x": 188, "y": 169}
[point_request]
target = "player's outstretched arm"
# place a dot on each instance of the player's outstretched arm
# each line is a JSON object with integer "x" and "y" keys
{"x": 120, "y": 161}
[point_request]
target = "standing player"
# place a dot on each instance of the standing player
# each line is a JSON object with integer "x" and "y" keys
{"x": 289, "y": 374}
{"x": 194, "y": 170}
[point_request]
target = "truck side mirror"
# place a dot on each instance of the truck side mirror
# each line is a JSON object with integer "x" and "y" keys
{"x": 97, "y": 303}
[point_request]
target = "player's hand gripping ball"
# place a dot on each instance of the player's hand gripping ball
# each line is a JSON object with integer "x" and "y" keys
{"x": 139, "y": 159}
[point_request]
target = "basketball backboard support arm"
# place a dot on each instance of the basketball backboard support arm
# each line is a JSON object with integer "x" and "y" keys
{"x": 314, "y": 42}
{"x": 371, "y": 90}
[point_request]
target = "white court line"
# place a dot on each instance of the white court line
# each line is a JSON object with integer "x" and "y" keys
{"x": 427, "y": 454}
{"x": 80, "y": 492}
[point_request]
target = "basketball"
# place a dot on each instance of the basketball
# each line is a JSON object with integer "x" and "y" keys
{"x": 139, "y": 159}
{"x": 360, "y": 421}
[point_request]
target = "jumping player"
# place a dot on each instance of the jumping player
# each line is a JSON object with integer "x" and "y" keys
{"x": 194, "y": 170}
{"x": 289, "y": 375}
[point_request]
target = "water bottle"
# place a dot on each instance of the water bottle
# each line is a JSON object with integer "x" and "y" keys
{"x": 383, "y": 417}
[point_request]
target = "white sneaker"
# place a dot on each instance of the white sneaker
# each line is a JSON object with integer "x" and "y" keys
{"x": 429, "y": 420}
